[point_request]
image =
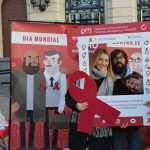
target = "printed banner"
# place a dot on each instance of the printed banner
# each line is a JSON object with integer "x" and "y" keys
{"x": 41, "y": 64}
{"x": 44, "y": 55}
{"x": 132, "y": 39}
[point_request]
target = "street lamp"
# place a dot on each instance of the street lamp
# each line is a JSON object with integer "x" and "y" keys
{"x": 41, "y": 4}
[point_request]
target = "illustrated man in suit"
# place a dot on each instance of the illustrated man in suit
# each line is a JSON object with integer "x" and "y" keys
{"x": 28, "y": 96}
{"x": 56, "y": 84}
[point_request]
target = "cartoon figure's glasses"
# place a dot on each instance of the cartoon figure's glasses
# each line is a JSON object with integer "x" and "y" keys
{"x": 137, "y": 60}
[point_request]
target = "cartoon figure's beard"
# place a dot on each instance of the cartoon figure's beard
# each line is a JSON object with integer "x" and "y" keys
{"x": 119, "y": 70}
{"x": 31, "y": 69}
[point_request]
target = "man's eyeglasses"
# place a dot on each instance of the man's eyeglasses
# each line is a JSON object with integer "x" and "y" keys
{"x": 118, "y": 57}
{"x": 137, "y": 60}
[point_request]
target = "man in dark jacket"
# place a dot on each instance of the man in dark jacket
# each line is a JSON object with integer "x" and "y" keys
{"x": 131, "y": 135}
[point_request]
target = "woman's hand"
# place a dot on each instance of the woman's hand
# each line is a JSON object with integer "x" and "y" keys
{"x": 82, "y": 106}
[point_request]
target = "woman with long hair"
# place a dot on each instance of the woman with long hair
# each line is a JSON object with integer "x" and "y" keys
{"x": 101, "y": 72}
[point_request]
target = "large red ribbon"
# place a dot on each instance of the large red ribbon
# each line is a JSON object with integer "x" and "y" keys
{"x": 96, "y": 106}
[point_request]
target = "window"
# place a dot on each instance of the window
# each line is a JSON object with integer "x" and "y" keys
{"x": 143, "y": 10}
{"x": 85, "y": 11}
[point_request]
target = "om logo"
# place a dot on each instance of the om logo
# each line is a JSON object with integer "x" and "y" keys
{"x": 86, "y": 31}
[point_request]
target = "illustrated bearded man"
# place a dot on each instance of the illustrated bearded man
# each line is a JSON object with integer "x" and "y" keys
{"x": 28, "y": 99}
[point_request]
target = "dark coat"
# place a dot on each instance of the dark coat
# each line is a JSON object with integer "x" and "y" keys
{"x": 19, "y": 90}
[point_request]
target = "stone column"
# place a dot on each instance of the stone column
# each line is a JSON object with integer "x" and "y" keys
{"x": 55, "y": 12}
{"x": 120, "y": 11}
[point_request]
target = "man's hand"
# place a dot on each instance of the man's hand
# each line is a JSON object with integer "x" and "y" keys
{"x": 61, "y": 105}
{"x": 124, "y": 125}
{"x": 82, "y": 106}
{"x": 15, "y": 107}
{"x": 147, "y": 104}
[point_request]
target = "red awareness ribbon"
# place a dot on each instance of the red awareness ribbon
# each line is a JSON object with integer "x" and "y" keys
{"x": 43, "y": 85}
{"x": 96, "y": 106}
{"x": 56, "y": 86}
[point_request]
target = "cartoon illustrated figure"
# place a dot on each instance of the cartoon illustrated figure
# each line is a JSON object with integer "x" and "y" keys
{"x": 28, "y": 96}
{"x": 56, "y": 83}
{"x": 135, "y": 61}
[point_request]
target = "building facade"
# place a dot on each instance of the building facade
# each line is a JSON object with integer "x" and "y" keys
{"x": 70, "y": 11}
{"x": 64, "y": 11}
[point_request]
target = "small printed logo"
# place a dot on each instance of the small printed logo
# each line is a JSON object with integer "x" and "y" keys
{"x": 143, "y": 27}
{"x": 103, "y": 121}
{"x": 86, "y": 31}
{"x": 147, "y": 90}
{"x": 74, "y": 38}
{"x": 133, "y": 120}
{"x": 117, "y": 121}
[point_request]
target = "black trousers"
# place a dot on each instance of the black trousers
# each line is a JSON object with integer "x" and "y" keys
{"x": 31, "y": 130}
{"x": 80, "y": 140}
{"x": 99, "y": 143}
{"x": 46, "y": 128}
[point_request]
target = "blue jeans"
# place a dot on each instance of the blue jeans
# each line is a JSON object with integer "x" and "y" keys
{"x": 131, "y": 136}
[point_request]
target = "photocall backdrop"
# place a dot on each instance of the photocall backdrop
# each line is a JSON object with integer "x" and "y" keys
{"x": 71, "y": 41}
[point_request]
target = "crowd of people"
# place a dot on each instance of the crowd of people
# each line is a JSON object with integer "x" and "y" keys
{"x": 113, "y": 76}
